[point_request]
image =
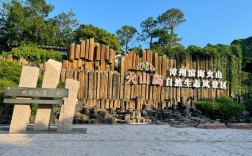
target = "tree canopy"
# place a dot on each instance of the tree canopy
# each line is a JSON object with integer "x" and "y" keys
{"x": 126, "y": 35}
{"x": 171, "y": 19}
{"x": 100, "y": 35}
{"x": 161, "y": 31}
{"x": 246, "y": 45}
{"x": 148, "y": 27}
{"x": 28, "y": 21}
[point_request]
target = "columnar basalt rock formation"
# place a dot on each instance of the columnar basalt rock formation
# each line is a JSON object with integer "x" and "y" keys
{"x": 102, "y": 86}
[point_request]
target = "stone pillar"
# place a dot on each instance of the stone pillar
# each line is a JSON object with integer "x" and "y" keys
{"x": 68, "y": 109}
{"x": 21, "y": 113}
{"x": 50, "y": 80}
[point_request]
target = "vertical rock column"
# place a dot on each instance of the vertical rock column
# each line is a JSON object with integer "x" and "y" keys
{"x": 50, "y": 80}
{"x": 21, "y": 113}
{"x": 67, "y": 110}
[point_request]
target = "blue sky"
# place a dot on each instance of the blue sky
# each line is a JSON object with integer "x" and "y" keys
{"x": 207, "y": 21}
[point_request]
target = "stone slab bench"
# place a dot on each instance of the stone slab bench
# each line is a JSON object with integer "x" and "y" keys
{"x": 47, "y": 94}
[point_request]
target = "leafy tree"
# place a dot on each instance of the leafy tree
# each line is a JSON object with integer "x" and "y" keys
{"x": 180, "y": 53}
{"x": 170, "y": 20}
{"x": 100, "y": 35}
{"x": 160, "y": 31}
{"x": 246, "y": 45}
{"x": 12, "y": 22}
{"x": 28, "y": 21}
{"x": 25, "y": 21}
{"x": 161, "y": 36}
{"x": 125, "y": 35}
{"x": 64, "y": 24}
{"x": 148, "y": 27}
{"x": 246, "y": 75}
{"x": 138, "y": 50}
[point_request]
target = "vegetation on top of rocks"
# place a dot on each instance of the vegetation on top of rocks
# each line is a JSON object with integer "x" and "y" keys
{"x": 34, "y": 54}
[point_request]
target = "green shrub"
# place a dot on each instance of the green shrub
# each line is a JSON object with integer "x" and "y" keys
{"x": 9, "y": 76}
{"x": 61, "y": 85}
{"x": 34, "y": 108}
{"x": 4, "y": 54}
{"x": 35, "y": 54}
{"x": 225, "y": 99}
{"x": 3, "y": 84}
{"x": 40, "y": 81}
{"x": 222, "y": 108}
{"x": 10, "y": 70}
{"x": 248, "y": 105}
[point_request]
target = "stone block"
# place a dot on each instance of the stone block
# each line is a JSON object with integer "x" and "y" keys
{"x": 127, "y": 117}
{"x": 50, "y": 80}
{"x": 133, "y": 115}
{"x": 111, "y": 120}
{"x": 21, "y": 113}
{"x": 105, "y": 114}
{"x": 68, "y": 109}
{"x": 138, "y": 120}
{"x": 129, "y": 121}
{"x": 138, "y": 114}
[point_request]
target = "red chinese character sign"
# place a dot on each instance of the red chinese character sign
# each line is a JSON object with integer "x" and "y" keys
{"x": 144, "y": 79}
{"x": 131, "y": 78}
{"x": 156, "y": 79}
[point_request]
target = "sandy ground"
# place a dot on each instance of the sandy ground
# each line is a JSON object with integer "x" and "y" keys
{"x": 116, "y": 140}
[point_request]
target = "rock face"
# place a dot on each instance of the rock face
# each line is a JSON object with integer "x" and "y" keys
{"x": 50, "y": 80}
{"x": 21, "y": 113}
{"x": 68, "y": 109}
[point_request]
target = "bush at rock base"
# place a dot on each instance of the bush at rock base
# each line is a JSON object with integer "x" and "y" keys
{"x": 222, "y": 108}
{"x": 248, "y": 105}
